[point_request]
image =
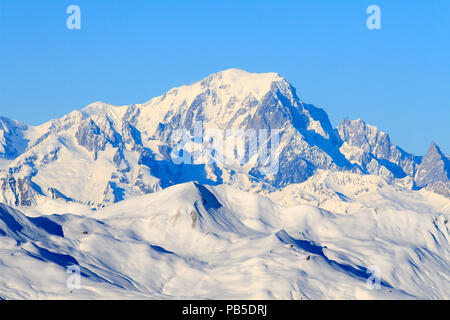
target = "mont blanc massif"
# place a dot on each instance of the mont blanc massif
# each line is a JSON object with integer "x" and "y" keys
{"x": 97, "y": 194}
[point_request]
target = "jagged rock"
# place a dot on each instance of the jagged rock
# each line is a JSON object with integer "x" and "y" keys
{"x": 365, "y": 144}
{"x": 435, "y": 167}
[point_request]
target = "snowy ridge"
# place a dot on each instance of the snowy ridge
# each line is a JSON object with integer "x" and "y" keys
{"x": 98, "y": 190}
{"x": 348, "y": 193}
{"x": 149, "y": 247}
{"x": 110, "y": 153}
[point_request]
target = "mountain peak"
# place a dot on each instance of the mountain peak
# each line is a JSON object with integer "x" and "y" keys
{"x": 241, "y": 82}
{"x": 434, "y": 149}
{"x": 101, "y": 108}
{"x": 7, "y": 124}
{"x": 239, "y": 74}
{"x": 433, "y": 168}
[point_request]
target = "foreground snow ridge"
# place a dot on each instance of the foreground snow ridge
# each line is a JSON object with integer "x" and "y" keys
{"x": 197, "y": 241}
{"x": 349, "y": 215}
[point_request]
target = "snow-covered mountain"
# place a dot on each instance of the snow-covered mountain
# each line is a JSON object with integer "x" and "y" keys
{"x": 347, "y": 215}
{"x": 104, "y": 154}
{"x": 202, "y": 242}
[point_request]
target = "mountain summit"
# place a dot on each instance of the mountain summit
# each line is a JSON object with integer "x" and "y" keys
{"x": 104, "y": 153}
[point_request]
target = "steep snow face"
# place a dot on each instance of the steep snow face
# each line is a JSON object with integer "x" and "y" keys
{"x": 223, "y": 243}
{"x": 16, "y": 226}
{"x": 12, "y": 140}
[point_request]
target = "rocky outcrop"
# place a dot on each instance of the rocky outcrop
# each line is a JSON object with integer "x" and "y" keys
{"x": 435, "y": 167}
{"x": 374, "y": 152}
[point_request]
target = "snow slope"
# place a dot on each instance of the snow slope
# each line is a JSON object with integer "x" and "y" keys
{"x": 343, "y": 192}
{"x": 196, "y": 241}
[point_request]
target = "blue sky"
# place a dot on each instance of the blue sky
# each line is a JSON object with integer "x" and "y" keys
{"x": 397, "y": 78}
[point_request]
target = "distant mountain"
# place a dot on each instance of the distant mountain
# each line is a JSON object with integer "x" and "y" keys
{"x": 434, "y": 171}
{"x": 104, "y": 154}
{"x": 101, "y": 192}
{"x": 435, "y": 167}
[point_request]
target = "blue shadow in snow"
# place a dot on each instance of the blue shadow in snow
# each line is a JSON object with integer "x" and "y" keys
{"x": 48, "y": 225}
{"x": 10, "y": 221}
{"x": 161, "y": 249}
{"x": 359, "y": 271}
{"x": 208, "y": 198}
{"x": 63, "y": 260}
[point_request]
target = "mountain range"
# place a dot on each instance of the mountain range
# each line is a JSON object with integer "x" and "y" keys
{"x": 104, "y": 154}
{"x": 98, "y": 196}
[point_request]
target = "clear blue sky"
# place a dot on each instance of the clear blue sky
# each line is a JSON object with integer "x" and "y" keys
{"x": 397, "y": 78}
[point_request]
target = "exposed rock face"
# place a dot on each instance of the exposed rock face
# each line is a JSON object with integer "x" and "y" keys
{"x": 435, "y": 167}
{"x": 18, "y": 192}
{"x": 104, "y": 154}
{"x": 439, "y": 187}
{"x": 94, "y": 139}
{"x": 374, "y": 152}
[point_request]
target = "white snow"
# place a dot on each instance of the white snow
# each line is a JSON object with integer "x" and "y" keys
{"x": 193, "y": 241}
{"x": 315, "y": 240}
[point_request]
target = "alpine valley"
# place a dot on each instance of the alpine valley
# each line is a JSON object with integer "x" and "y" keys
{"x": 348, "y": 215}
